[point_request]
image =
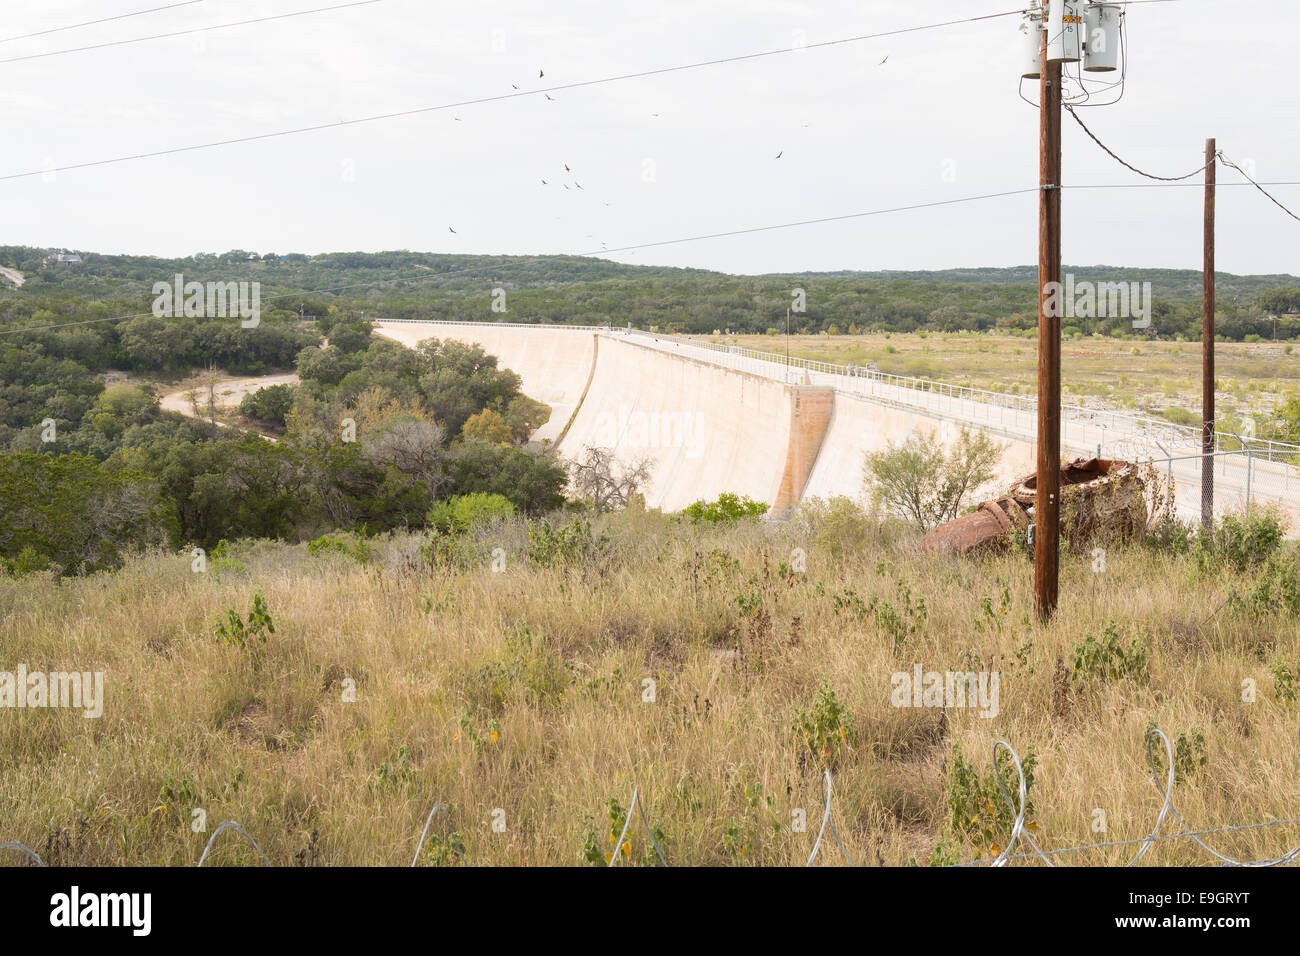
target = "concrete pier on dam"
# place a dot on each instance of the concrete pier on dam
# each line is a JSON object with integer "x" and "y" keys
{"x": 717, "y": 420}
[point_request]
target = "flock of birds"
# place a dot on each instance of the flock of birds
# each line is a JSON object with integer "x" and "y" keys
{"x": 541, "y": 74}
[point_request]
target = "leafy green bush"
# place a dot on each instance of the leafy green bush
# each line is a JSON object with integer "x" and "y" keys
{"x": 921, "y": 481}
{"x": 1285, "y": 679}
{"x": 1189, "y": 755}
{"x": 231, "y": 630}
{"x": 348, "y": 545}
{"x": 728, "y": 507}
{"x": 1276, "y": 589}
{"x": 527, "y": 671}
{"x": 271, "y": 404}
{"x": 979, "y": 810}
{"x": 28, "y": 561}
{"x": 1239, "y": 542}
{"x": 564, "y": 546}
{"x": 1105, "y": 659}
{"x": 460, "y": 513}
{"x": 825, "y": 728}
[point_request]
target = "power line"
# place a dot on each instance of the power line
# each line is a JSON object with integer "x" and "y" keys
{"x": 426, "y": 276}
{"x": 189, "y": 32}
{"x": 494, "y": 99}
{"x": 1228, "y": 162}
{"x": 1093, "y": 137}
{"x": 91, "y": 23}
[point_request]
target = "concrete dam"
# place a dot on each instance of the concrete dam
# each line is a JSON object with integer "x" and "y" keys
{"x": 717, "y": 419}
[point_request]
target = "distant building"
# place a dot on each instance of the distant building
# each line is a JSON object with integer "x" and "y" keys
{"x": 64, "y": 257}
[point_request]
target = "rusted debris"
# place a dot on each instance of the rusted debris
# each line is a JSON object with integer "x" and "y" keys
{"x": 983, "y": 529}
{"x": 1099, "y": 496}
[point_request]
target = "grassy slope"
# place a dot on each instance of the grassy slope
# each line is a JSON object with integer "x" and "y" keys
{"x": 191, "y": 723}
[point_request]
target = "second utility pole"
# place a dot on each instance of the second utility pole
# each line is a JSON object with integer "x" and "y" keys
{"x": 1047, "y": 511}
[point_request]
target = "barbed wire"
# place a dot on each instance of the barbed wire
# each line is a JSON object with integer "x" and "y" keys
{"x": 637, "y": 804}
{"x": 232, "y": 825}
{"x": 1019, "y": 828}
{"x": 23, "y": 848}
{"x": 1167, "y": 807}
{"x": 420, "y": 846}
{"x": 826, "y": 823}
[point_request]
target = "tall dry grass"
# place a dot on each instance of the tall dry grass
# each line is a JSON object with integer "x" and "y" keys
{"x": 521, "y": 691}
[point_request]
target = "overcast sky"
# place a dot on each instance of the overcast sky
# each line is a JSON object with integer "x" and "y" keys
{"x": 940, "y": 119}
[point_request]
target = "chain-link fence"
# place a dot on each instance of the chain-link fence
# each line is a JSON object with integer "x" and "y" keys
{"x": 1226, "y": 482}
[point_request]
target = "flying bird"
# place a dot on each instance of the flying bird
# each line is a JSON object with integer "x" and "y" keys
{"x": 882, "y": 62}
{"x": 550, "y": 97}
{"x": 452, "y": 231}
{"x": 540, "y": 74}
{"x": 513, "y": 87}
{"x": 780, "y": 154}
{"x": 578, "y": 184}
{"x": 545, "y": 183}
{"x": 567, "y": 169}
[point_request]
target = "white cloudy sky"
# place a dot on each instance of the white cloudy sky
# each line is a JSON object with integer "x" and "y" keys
{"x": 856, "y": 136}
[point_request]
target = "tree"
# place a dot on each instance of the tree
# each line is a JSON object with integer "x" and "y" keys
{"x": 413, "y": 447}
{"x": 487, "y": 426}
{"x": 270, "y": 404}
{"x": 922, "y": 482}
{"x": 533, "y": 481}
{"x": 600, "y": 478}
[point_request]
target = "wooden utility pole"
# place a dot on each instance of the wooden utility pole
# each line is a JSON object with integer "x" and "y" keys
{"x": 1207, "y": 345}
{"x": 1047, "y": 511}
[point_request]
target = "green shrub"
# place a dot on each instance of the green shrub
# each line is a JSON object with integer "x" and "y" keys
{"x": 825, "y": 728}
{"x": 979, "y": 810}
{"x": 594, "y": 849}
{"x": 1276, "y": 590}
{"x": 1105, "y": 659}
{"x": 461, "y": 513}
{"x": 271, "y": 404}
{"x": 1285, "y": 679}
{"x": 1189, "y": 755}
{"x": 728, "y": 507}
{"x": 1239, "y": 542}
{"x": 921, "y": 481}
{"x": 565, "y": 546}
{"x": 231, "y": 630}
{"x": 348, "y": 545}
{"x": 28, "y": 561}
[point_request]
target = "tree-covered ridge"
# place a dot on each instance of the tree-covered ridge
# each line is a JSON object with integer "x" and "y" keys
{"x": 584, "y": 290}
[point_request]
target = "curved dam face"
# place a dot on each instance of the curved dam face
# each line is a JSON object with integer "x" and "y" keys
{"x": 707, "y": 428}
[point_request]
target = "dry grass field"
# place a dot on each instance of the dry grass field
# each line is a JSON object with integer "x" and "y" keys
{"x": 1158, "y": 379}
{"x": 510, "y": 686}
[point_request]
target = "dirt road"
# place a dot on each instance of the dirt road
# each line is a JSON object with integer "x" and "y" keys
{"x": 229, "y": 391}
